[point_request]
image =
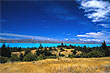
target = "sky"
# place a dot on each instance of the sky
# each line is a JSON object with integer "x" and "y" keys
{"x": 81, "y": 20}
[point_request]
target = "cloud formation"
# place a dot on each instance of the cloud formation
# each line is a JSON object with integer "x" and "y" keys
{"x": 96, "y": 10}
{"x": 105, "y": 25}
{"x": 26, "y": 36}
{"x": 89, "y": 40}
{"x": 95, "y": 36}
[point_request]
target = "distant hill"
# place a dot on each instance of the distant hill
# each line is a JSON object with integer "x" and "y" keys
{"x": 45, "y": 41}
{"x": 26, "y": 41}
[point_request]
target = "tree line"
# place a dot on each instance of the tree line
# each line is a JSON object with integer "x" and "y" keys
{"x": 44, "y": 53}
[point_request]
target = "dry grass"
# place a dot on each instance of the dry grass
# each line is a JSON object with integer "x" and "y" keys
{"x": 67, "y": 52}
{"x": 64, "y": 65}
{"x": 18, "y": 53}
{"x": 23, "y": 52}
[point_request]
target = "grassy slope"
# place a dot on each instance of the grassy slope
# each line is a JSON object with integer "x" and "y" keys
{"x": 64, "y": 65}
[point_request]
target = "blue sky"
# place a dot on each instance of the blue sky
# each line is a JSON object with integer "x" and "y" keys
{"x": 83, "y": 20}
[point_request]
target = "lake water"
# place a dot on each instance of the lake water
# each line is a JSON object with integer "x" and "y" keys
{"x": 25, "y": 45}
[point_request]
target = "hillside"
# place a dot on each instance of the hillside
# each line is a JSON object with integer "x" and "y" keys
{"x": 64, "y": 65}
{"x": 46, "y": 41}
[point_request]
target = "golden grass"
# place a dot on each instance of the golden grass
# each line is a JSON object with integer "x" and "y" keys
{"x": 67, "y": 52}
{"x": 64, "y": 65}
{"x": 33, "y": 51}
{"x": 18, "y": 53}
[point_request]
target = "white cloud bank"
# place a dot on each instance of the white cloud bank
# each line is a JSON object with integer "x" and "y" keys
{"x": 96, "y": 36}
{"x": 96, "y": 10}
{"x": 96, "y": 40}
{"x": 26, "y": 36}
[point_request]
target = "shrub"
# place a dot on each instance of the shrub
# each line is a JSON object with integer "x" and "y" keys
{"x": 62, "y": 55}
{"x": 70, "y": 56}
{"x": 3, "y": 59}
{"x": 62, "y": 49}
{"x": 14, "y": 58}
{"x": 96, "y": 53}
{"x": 74, "y": 51}
{"x": 29, "y": 57}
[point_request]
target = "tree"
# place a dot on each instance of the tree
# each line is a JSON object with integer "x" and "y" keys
{"x": 74, "y": 51}
{"x": 27, "y": 50}
{"x": 21, "y": 56}
{"x": 5, "y": 51}
{"x": 62, "y": 45}
{"x": 105, "y": 48}
{"x": 40, "y": 47}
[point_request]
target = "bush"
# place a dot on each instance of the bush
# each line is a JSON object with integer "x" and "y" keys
{"x": 30, "y": 57}
{"x": 14, "y": 58}
{"x": 70, "y": 56}
{"x": 74, "y": 51}
{"x": 62, "y": 49}
{"x": 51, "y": 57}
{"x": 62, "y": 55}
{"x": 3, "y": 59}
{"x": 94, "y": 53}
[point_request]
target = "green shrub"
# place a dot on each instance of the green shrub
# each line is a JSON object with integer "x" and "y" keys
{"x": 62, "y": 55}
{"x": 14, "y": 58}
{"x": 70, "y": 56}
{"x": 96, "y": 53}
{"x": 3, "y": 59}
{"x": 30, "y": 57}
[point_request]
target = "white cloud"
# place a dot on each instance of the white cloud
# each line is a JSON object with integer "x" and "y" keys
{"x": 91, "y": 34}
{"x": 96, "y": 10}
{"x": 97, "y": 40}
{"x": 27, "y": 36}
{"x": 3, "y": 38}
{"x": 66, "y": 39}
{"x": 95, "y": 36}
{"x": 105, "y": 25}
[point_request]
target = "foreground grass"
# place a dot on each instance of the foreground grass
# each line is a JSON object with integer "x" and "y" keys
{"x": 64, "y": 65}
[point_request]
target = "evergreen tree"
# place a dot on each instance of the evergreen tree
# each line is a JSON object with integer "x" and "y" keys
{"x": 40, "y": 47}
{"x": 28, "y": 50}
{"x": 5, "y": 51}
{"x": 105, "y": 48}
{"x": 62, "y": 45}
{"x": 21, "y": 56}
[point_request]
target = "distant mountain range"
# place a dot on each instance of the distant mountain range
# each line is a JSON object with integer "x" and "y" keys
{"x": 45, "y": 41}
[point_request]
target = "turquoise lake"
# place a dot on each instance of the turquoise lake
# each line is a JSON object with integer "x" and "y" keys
{"x": 25, "y": 45}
